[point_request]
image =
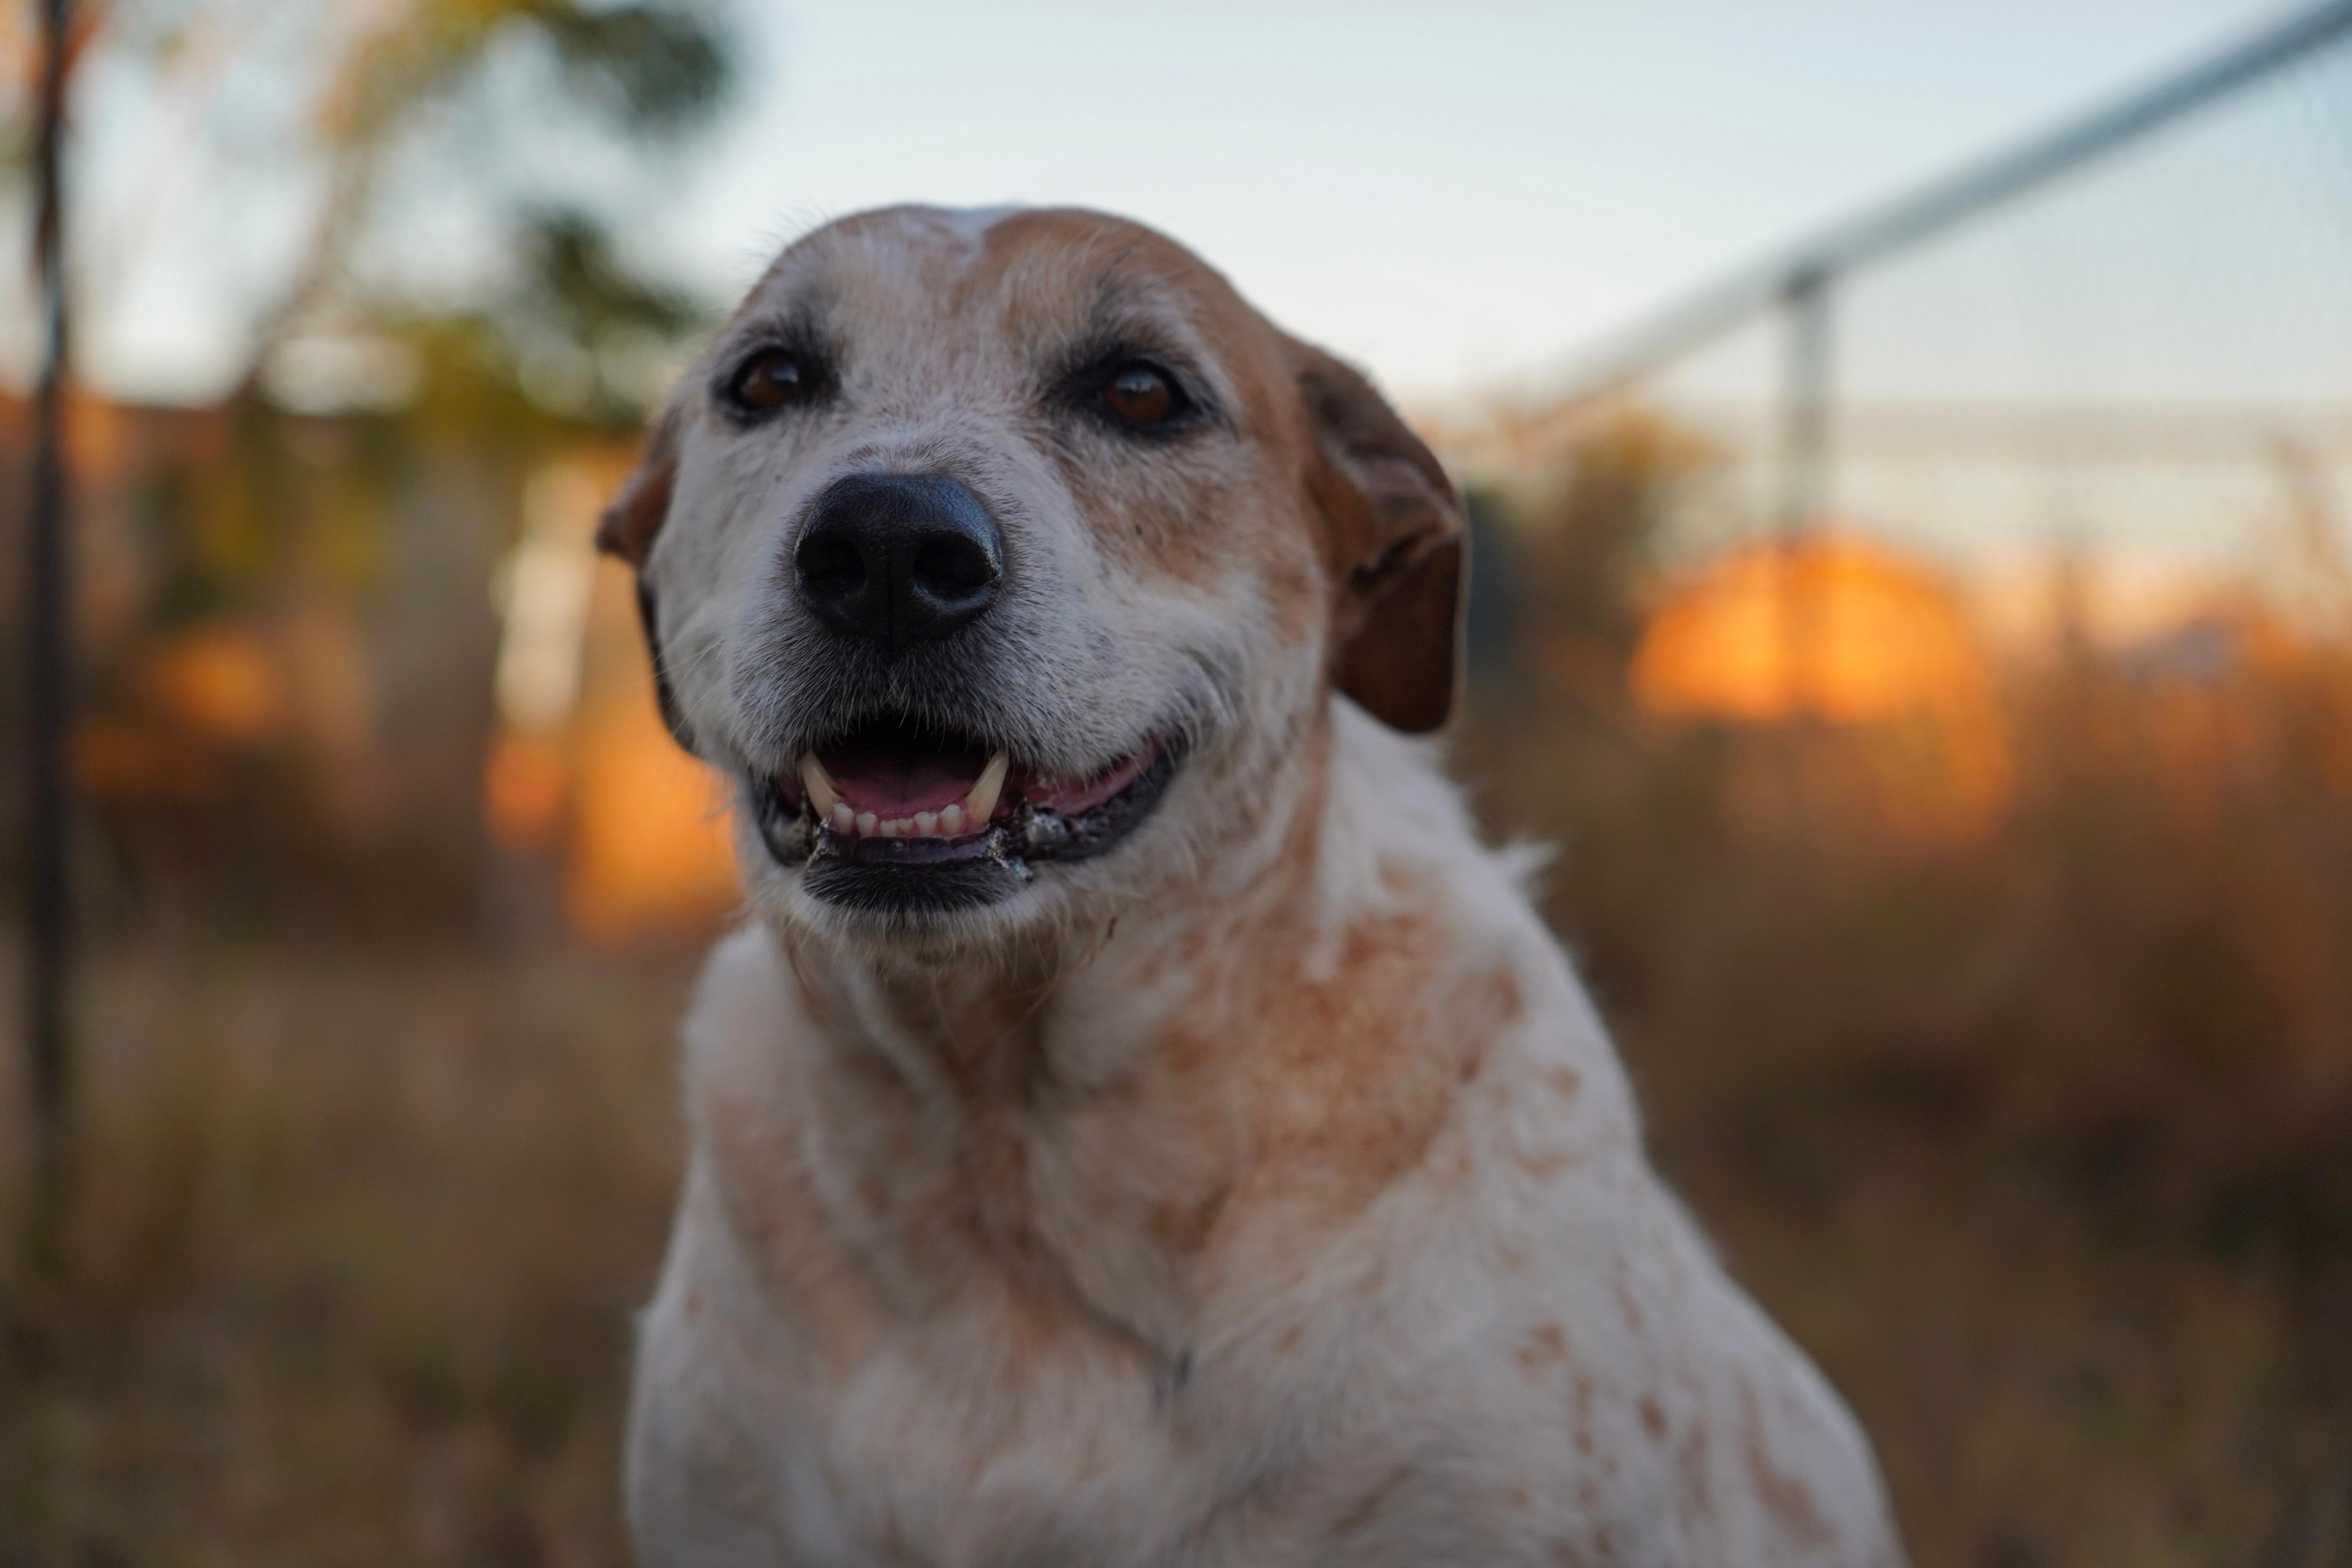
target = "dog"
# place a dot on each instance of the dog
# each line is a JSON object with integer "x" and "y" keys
{"x": 1141, "y": 1126}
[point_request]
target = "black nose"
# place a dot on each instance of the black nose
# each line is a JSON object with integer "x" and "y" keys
{"x": 903, "y": 557}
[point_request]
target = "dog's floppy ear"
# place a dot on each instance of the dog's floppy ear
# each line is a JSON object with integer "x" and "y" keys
{"x": 627, "y": 530}
{"x": 638, "y": 513}
{"x": 1397, "y": 547}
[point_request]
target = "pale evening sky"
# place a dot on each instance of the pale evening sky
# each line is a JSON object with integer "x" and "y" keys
{"x": 1451, "y": 195}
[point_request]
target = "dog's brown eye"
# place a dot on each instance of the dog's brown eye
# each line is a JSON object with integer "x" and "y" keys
{"x": 1140, "y": 394}
{"x": 772, "y": 379}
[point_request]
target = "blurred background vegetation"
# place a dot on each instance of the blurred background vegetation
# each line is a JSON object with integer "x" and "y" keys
{"x": 1969, "y": 878}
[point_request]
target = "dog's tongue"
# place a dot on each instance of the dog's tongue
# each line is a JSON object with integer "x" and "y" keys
{"x": 893, "y": 782}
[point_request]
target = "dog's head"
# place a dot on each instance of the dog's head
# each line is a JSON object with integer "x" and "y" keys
{"x": 1003, "y": 559}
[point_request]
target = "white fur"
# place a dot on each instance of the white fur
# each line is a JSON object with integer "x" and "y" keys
{"x": 927, "y": 1302}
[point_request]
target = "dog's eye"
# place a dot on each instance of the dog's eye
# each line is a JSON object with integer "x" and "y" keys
{"x": 1143, "y": 395}
{"x": 770, "y": 379}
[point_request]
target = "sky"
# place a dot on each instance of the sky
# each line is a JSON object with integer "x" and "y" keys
{"x": 1456, "y": 195}
{"x": 1451, "y": 194}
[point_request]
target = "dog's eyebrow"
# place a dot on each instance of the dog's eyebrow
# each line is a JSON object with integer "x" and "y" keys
{"x": 1126, "y": 321}
{"x": 1124, "y": 304}
{"x": 807, "y": 323}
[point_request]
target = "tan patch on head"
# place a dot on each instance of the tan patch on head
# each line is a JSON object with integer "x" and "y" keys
{"x": 1200, "y": 508}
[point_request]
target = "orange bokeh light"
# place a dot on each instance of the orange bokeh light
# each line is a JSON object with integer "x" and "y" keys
{"x": 221, "y": 682}
{"x": 650, "y": 843}
{"x": 1848, "y": 633}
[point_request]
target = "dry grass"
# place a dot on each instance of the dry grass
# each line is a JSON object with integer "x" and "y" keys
{"x": 352, "y": 1264}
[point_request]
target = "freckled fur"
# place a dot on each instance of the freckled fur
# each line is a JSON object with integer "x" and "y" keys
{"x": 1264, "y": 1192}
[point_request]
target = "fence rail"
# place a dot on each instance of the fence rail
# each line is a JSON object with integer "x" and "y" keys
{"x": 2114, "y": 362}
{"x": 1800, "y": 281}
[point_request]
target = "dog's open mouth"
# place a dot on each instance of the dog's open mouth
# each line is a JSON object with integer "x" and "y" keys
{"x": 895, "y": 817}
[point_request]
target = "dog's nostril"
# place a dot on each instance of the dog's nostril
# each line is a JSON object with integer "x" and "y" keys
{"x": 899, "y": 557}
{"x": 832, "y": 566}
{"x": 952, "y": 567}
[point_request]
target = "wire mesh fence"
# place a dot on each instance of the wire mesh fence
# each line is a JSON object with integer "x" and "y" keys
{"x": 2125, "y": 361}
{"x": 1933, "y": 653}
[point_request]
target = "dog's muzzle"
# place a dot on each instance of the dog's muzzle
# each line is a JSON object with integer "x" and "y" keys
{"x": 889, "y": 814}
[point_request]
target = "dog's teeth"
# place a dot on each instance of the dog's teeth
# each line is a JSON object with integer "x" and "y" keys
{"x": 844, "y": 819}
{"x": 895, "y": 827}
{"x": 822, "y": 792}
{"x": 927, "y": 824}
{"x": 981, "y": 804}
{"x": 952, "y": 821}
{"x": 866, "y": 821}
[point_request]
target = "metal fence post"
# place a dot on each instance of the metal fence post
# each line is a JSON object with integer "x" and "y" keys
{"x": 49, "y": 678}
{"x": 1805, "y": 399}
{"x": 1804, "y": 484}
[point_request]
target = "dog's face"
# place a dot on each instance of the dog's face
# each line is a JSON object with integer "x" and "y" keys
{"x": 1003, "y": 560}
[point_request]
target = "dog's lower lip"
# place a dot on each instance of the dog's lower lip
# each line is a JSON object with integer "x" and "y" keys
{"x": 1023, "y": 831}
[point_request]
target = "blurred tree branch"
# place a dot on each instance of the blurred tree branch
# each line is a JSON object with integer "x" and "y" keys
{"x": 649, "y": 70}
{"x": 324, "y": 103}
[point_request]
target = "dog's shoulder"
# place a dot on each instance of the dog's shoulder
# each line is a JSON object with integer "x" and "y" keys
{"x": 1623, "y": 1397}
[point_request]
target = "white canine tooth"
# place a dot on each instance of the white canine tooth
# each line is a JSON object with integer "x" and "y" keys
{"x": 895, "y": 827}
{"x": 819, "y": 783}
{"x": 844, "y": 819}
{"x": 927, "y": 824}
{"x": 981, "y": 804}
{"x": 866, "y": 823}
{"x": 952, "y": 821}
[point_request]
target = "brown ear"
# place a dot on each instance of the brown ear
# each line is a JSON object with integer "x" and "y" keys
{"x": 1397, "y": 547}
{"x": 637, "y": 513}
{"x": 627, "y": 530}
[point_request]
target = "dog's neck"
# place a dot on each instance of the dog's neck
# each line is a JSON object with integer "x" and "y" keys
{"x": 1099, "y": 1118}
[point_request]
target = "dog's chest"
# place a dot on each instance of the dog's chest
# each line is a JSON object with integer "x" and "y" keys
{"x": 938, "y": 1452}
{"x": 937, "y": 1455}
{"x": 975, "y": 1444}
